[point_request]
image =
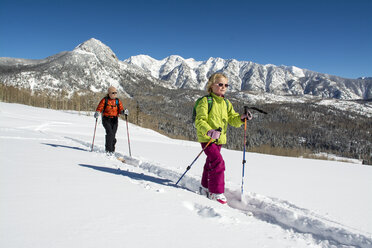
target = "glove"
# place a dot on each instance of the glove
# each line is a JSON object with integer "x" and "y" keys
{"x": 247, "y": 116}
{"x": 214, "y": 134}
{"x": 96, "y": 114}
{"x": 124, "y": 112}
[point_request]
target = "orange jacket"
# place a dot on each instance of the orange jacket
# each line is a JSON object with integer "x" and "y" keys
{"x": 111, "y": 108}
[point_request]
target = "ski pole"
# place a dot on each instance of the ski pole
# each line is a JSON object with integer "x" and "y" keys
{"x": 189, "y": 167}
{"x": 94, "y": 135}
{"x": 126, "y": 119}
{"x": 245, "y": 134}
{"x": 257, "y": 109}
{"x": 245, "y": 140}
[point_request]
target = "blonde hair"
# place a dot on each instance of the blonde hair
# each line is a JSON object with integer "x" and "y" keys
{"x": 212, "y": 79}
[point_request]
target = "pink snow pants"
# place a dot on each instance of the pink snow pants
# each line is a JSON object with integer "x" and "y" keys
{"x": 213, "y": 176}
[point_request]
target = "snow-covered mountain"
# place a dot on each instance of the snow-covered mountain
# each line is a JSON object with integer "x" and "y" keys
{"x": 93, "y": 66}
{"x": 249, "y": 76}
{"x": 90, "y": 66}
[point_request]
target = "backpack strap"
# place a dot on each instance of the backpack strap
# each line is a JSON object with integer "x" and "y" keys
{"x": 117, "y": 105}
{"x": 210, "y": 102}
{"x": 104, "y": 106}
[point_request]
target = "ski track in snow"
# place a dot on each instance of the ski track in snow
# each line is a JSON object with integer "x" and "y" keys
{"x": 271, "y": 210}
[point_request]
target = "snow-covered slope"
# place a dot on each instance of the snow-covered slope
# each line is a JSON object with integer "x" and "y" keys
{"x": 249, "y": 76}
{"x": 54, "y": 192}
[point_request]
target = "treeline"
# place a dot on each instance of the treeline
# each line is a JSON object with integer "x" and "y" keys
{"x": 290, "y": 129}
{"x": 79, "y": 101}
{"x": 309, "y": 128}
{"x": 59, "y": 100}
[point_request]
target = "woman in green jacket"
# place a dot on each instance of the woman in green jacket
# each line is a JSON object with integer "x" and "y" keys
{"x": 207, "y": 122}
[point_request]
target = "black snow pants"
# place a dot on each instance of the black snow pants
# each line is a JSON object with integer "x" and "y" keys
{"x": 111, "y": 126}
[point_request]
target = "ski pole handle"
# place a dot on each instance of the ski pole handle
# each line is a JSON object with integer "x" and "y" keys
{"x": 247, "y": 113}
{"x": 219, "y": 130}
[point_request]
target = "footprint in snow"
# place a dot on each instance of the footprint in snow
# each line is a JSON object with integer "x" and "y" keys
{"x": 203, "y": 211}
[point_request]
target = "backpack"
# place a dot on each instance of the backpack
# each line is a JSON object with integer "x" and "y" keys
{"x": 210, "y": 104}
{"x": 117, "y": 104}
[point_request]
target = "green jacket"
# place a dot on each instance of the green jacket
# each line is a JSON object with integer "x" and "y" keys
{"x": 219, "y": 116}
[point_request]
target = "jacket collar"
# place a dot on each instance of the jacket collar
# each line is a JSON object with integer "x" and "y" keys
{"x": 217, "y": 98}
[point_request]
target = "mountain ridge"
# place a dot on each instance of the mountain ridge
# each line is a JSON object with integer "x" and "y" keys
{"x": 93, "y": 66}
{"x": 250, "y": 76}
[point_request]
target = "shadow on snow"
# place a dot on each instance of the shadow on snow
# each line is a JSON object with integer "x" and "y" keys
{"x": 132, "y": 175}
{"x": 63, "y": 146}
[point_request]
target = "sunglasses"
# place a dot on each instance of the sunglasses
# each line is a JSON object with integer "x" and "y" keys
{"x": 221, "y": 84}
{"x": 113, "y": 93}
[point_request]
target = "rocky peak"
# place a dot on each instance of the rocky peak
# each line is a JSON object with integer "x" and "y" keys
{"x": 97, "y": 48}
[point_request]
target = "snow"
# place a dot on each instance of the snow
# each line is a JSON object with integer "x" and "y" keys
{"x": 144, "y": 61}
{"x": 54, "y": 192}
{"x": 298, "y": 72}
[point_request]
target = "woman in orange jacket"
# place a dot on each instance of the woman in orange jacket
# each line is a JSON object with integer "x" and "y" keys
{"x": 110, "y": 106}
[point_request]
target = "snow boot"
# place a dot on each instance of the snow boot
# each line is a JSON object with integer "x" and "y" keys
{"x": 204, "y": 191}
{"x": 218, "y": 197}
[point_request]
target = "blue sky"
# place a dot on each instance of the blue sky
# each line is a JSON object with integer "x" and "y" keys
{"x": 327, "y": 36}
